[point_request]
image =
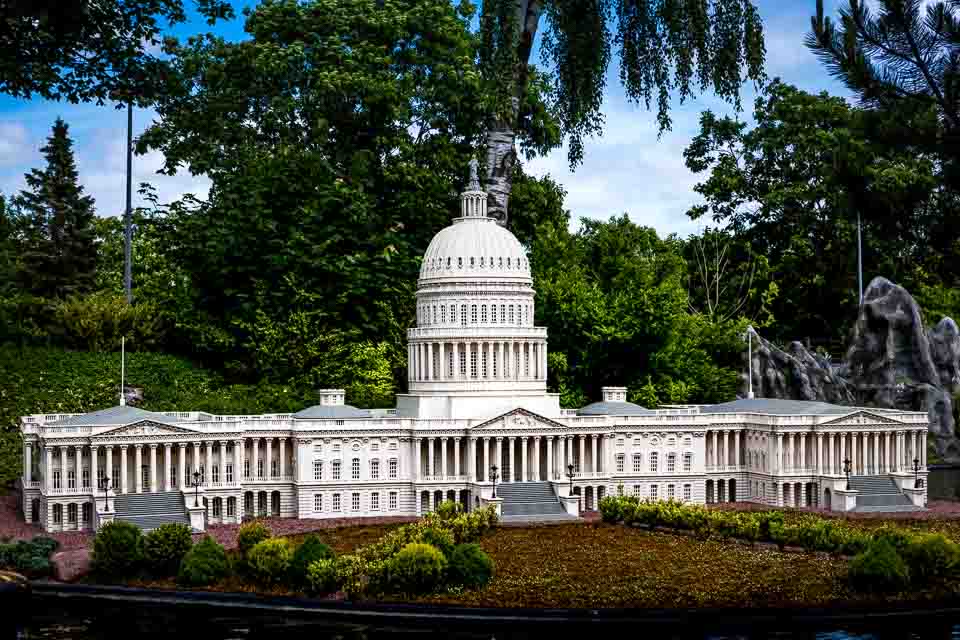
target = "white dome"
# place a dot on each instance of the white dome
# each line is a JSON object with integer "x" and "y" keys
{"x": 475, "y": 248}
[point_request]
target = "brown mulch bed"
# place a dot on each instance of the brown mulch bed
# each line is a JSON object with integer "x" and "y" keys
{"x": 350, "y": 529}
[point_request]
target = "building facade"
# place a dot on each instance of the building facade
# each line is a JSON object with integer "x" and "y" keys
{"x": 477, "y": 413}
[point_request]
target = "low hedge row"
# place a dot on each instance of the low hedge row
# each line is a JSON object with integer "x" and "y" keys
{"x": 883, "y": 560}
{"x": 30, "y": 558}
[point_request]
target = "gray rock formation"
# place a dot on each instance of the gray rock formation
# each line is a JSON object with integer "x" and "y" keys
{"x": 892, "y": 361}
{"x": 796, "y": 374}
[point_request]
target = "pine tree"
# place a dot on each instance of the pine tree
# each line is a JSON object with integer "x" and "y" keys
{"x": 59, "y": 250}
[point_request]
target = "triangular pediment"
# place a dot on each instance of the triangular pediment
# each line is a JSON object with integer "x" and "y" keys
{"x": 861, "y": 418}
{"x": 518, "y": 420}
{"x": 147, "y": 428}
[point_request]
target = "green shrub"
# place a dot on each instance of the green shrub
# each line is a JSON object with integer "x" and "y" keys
{"x": 852, "y": 542}
{"x": 251, "y": 534}
{"x": 309, "y": 551}
{"x": 878, "y": 569}
{"x": 898, "y": 538}
{"x": 418, "y": 568}
{"x": 32, "y": 559}
{"x": 767, "y": 518}
{"x": 322, "y": 576}
{"x": 610, "y": 509}
{"x": 440, "y": 538}
{"x": 118, "y": 549}
{"x": 931, "y": 557}
{"x": 269, "y": 560}
{"x": 748, "y": 527}
{"x": 469, "y": 566}
{"x": 448, "y": 510}
{"x": 205, "y": 564}
{"x": 165, "y": 547}
{"x": 45, "y": 545}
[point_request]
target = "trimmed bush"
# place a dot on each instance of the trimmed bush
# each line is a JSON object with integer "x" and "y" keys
{"x": 205, "y": 564}
{"x": 610, "y": 510}
{"x": 418, "y": 568}
{"x": 45, "y": 545}
{"x": 269, "y": 560}
{"x": 165, "y": 547}
{"x": 250, "y": 534}
{"x": 32, "y": 559}
{"x": 309, "y": 551}
{"x": 469, "y": 566}
{"x": 322, "y": 576}
{"x": 930, "y": 558}
{"x": 879, "y": 569}
{"x": 442, "y": 539}
{"x": 118, "y": 549}
{"x": 448, "y": 509}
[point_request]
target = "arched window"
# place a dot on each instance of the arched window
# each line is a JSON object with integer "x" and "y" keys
{"x": 71, "y": 513}
{"x": 217, "y": 507}
{"x": 231, "y": 507}
{"x": 336, "y": 469}
{"x": 463, "y": 314}
{"x": 355, "y": 469}
{"x": 58, "y": 514}
{"x": 636, "y": 463}
{"x": 671, "y": 463}
{"x": 483, "y": 314}
{"x": 687, "y": 462}
{"x": 473, "y": 314}
{"x": 654, "y": 459}
{"x": 375, "y": 469}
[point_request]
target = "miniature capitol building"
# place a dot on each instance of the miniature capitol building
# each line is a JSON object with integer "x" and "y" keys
{"x": 477, "y": 401}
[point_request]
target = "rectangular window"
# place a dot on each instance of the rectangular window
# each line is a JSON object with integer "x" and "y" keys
{"x": 686, "y": 493}
{"x": 231, "y": 506}
{"x": 374, "y": 469}
{"x": 100, "y": 473}
{"x": 619, "y": 463}
{"x": 86, "y": 478}
{"x": 463, "y": 363}
{"x": 671, "y": 463}
{"x": 393, "y": 501}
{"x": 670, "y": 494}
{"x": 443, "y": 314}
{"x": 57, "y": 513}
{"x": 493, "y": 314}
{"x": 687, "y": 462}
{"x": 503, "y": 314}
{"x": 229, "y": 473}
{"x": 318, "y": 502}
{"x": 355, "y": 468}
{"x": 87, "y": 513}
{"x": 483, "y": 314}
{"x": 510, "y": 317}
{"x": 653, "y": 492}
{"x": 259, "y": 468}
{"x": 483, "y": 363}
{"x": 355, "y": 502}
{"x": 636, "y": 490}
{"x": 393, "y": 468}
{"x": 374, "y": 501}
{"x": 473, "y": 363}
{"x": 215, "y": 473}
{"x": 71, "y": 479}
{"x": 217, "y": 506}
{"x": 336, "y": 469}
{"x": 636, "y": 463}
{"x": 653, "y": 462}
{"x": 619, "y": 489}
{"x": 115, "y": 480}
{"x": 318, "y": 469}
{"x": 463, "y": 314}
{"x": 72, "y": 514}
{"x": 336, "y": 502}
{"x": 246, "y": 468}
{"x": 274, "y": 468}
{"x": 473, "y": 314}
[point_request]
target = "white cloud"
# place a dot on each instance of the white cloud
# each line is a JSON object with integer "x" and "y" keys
{"x": 14, "y": 143}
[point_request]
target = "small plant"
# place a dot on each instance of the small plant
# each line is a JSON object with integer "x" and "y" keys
{"x": 250, "y": 534}
{"x": 448, "y": 510}
{"x": 322, "y": 576}
{"x": 610, "y": 510}
{"x": 418, "y": 568}
{"x": 269, "y": 560}
{"x": 309, "y": 551}
{"x": 205, "y": 564}
{"x": 469, "y": 566}
{"x": 879, "y": 569}
{"x": 930, "y": 558}
{"x": 118, "y": 549}
{"x": 165, "y": 547}
{"x": 442, "y": 539}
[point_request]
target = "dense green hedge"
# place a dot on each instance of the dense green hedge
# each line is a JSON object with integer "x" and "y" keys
{"x": 47, "y": 380}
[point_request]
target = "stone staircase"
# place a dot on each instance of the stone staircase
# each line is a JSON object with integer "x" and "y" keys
{"x": 531, "y": 502}
{"x": 880, "y": 494}
{"x": 150, "y": 510}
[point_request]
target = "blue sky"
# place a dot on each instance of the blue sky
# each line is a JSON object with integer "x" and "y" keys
{"x": 628, "y": 169}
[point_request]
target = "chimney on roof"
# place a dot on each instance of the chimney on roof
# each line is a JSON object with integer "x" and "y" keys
{"x": 614, "y": 394}
{"x": 331, "y": 397}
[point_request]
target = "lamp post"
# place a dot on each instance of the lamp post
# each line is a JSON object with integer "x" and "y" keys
{"x": 196, "y": 487}
{"x": 916, "y": 473}
{"x": 750, "y": 333}
{"x": 494, "y": 476}
{"x": 846, "y": 469}
{"x": 570, "y": 475}
{"x": 105, "y": 485}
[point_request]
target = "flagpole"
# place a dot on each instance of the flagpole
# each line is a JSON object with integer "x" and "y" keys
{"x": 123, "y": 354}
{"x": 128, "y": 214}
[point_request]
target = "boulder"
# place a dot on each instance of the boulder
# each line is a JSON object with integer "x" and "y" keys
{"x": 70, "y": 565}
{"x": 795, "y": 374}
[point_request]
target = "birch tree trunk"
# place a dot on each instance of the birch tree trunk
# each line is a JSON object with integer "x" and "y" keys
{"x": 502, "y": 134}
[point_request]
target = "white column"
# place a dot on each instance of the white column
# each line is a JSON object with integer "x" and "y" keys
{"x": 524, "y": 471}
{"x": 818, "y": 458}
{"x": 583, "y": 452}
{"x": 887, "y": 440}
{"x": 430, "y": 460}
{"x": 549, "y": 457}
{"x": 238, "y": 452}
{"x": 456, "y": 361}
{"x": 208, "y": 463}
{"x": 78, "y": 462}
{"x": 195, "y": 460}
{"x": 853, "y": 453}
{"x": 488, "y": 451}
{"x": 442, "y": 360}
{"x": 536, "y": 459}
{"x": 268, "y": 464}
{"x": 48, "y": 468}
{"x": 123, "y": 468}
{"x": 429, "y": 361}
{"x": 456, "y": 457}
{"x": 27, "y": 462}
{"x": 181, "y": 466}
{"x": 499, "y": 460}
{"x": 779, "y": 449}
{"x": 511, "y": 456}
{"x": 595, "y": 453}
{"x": 417, "y": 460}
{"x": 109, "y": 463}
{"x": 803, "y": 451}
{"x": 283, "y": 457}
{"x": 167, "y": 449}
{"x": 410, "y": 361}
{"x": 137, "y": 469}
{"x": 256, "y": 459}
{"x": 543, "y": 357}
{"x": 922, "y": 437}
{"x": 843, "y": 451}
{"x": 153, "y": 467}
{"x": 444, "y": 469}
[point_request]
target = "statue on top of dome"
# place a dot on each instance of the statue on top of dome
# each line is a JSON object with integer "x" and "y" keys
{"x": 474, "y": 179}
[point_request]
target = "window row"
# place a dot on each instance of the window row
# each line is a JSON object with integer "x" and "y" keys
{"x": 393, "y": 467}
{"x": 85, "y": 512}
{"x": 336, "y": 502}
{"x": 484, "y": 262}
{"x": 474, "y": 314}
{"x": 654, "y": 493}
{"x": 653, "y": 462}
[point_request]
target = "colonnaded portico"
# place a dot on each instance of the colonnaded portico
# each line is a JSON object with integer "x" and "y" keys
{"x": 476, "y": 414}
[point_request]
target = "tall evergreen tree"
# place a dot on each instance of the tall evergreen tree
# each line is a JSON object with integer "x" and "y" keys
{"x": 59, "y": 250}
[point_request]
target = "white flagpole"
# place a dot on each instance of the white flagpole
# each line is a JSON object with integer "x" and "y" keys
{"x": 123, "y": 355}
